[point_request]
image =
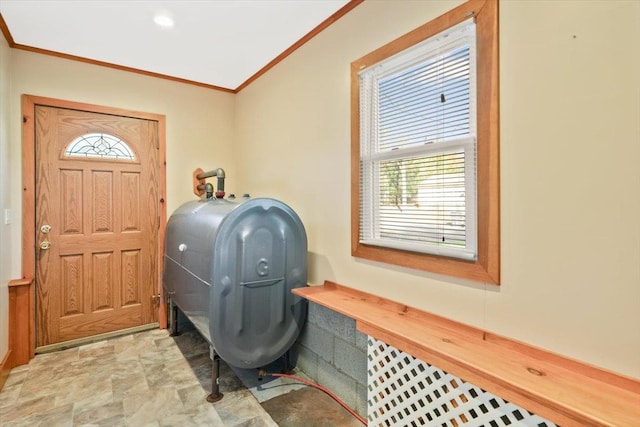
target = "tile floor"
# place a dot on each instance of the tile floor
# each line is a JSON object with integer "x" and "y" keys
{"x": 153, "y": 379}
{"x": 145, "y": 379}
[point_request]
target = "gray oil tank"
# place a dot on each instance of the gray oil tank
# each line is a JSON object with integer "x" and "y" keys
{"x": 230, "y": 268}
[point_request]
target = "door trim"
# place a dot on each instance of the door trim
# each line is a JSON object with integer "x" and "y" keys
{"x": 29, "y": 102}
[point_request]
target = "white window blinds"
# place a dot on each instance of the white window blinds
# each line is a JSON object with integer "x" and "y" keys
{"x": 417, "y": 148}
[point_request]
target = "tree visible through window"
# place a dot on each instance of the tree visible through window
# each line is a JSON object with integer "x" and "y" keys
{"x": 425, "y": 131}
{"x": 417, "y": 148}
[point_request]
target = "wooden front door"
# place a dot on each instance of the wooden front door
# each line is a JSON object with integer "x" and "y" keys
{"x": 96, "y": 223}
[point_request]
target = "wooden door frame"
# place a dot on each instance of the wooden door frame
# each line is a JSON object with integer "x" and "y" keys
{"x": 29, "y": 102}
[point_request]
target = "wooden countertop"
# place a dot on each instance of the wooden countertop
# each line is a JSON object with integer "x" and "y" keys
{"x": 562, "y": 390}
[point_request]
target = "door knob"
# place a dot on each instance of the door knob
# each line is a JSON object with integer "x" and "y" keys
{"x": 45, "y": 245}
{"x": 45, "y": 228}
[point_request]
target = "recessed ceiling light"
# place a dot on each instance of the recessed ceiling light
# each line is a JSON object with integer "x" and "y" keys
{"x": 163, "y": 19}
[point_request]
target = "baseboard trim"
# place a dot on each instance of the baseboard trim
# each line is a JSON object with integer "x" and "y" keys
{"x": 5, "y": 369}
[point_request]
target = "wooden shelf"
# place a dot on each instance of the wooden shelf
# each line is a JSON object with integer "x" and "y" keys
{"x": 562, "y": 390}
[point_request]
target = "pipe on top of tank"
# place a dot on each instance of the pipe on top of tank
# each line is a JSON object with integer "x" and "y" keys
{"x": 199, "y": 177}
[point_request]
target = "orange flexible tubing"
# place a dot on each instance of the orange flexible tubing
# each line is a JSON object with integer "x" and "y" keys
{"x": 323, "y": 389}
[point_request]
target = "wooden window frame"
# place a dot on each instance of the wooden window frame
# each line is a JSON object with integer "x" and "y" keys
{"x": 486, "y": 267}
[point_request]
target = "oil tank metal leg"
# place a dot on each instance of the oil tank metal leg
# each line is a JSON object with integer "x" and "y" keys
{"x": 173, "y": 319}
{"x": 215, "y": 384}
{"x": 286, "y": 367}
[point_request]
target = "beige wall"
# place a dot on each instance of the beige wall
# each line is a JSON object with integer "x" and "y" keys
{"x": 6, "y": 243}
{"x": 570, "y": 132}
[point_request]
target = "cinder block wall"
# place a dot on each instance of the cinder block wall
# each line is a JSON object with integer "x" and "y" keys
{"x": 333, "y": 353}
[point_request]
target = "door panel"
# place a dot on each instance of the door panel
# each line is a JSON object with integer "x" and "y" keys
{"x": 100, "y": 271}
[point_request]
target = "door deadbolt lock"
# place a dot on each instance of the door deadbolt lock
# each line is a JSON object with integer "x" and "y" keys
{"x": 45, "y": 245}
{"x": 45, "y": 228}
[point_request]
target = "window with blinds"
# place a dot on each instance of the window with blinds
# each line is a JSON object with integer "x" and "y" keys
{"x": 418, "y": 147}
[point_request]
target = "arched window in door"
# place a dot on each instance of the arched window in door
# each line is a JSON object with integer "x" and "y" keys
{"x": 99, "y": 145}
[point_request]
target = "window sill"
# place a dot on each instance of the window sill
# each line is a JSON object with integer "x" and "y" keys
{"x": 563, "y": 390}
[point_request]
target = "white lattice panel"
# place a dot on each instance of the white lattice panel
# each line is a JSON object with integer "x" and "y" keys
{"x": 405, "y": 391}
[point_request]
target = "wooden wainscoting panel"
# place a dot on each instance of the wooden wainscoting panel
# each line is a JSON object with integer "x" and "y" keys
{"x": 21, "y": 314}
{"x": 5, "y": 368}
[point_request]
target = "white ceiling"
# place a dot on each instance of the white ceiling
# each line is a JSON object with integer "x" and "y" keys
{"x": 216, "y": 42}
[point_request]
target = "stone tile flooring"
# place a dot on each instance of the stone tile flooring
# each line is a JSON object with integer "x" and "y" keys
{"x": 144, "y": 379}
